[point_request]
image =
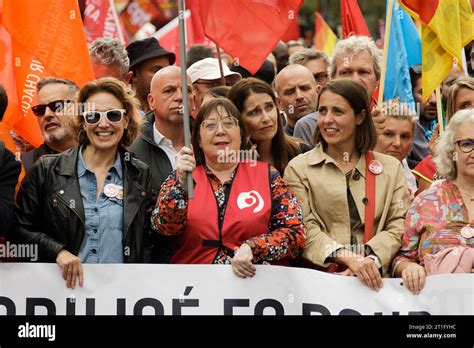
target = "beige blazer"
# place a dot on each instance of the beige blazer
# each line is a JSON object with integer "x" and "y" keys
{"x": 321, "y": 189}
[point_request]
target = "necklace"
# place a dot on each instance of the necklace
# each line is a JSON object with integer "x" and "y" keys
{"x": 467, "y": 194}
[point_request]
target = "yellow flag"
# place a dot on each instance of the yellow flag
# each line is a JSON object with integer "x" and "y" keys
{"x": 447, "y": 26}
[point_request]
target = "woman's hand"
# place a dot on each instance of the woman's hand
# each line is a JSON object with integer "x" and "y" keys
{"x": 414, "y": 277}
{"x": 71, "y": 268}
{"x": 242, "y": 262}
{"x": 366, "y": 270}
{"x": 185, "y": 163}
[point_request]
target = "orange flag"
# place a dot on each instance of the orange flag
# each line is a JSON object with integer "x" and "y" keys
{"x": 324, "y": 39}
{"x": 41, "y": 38}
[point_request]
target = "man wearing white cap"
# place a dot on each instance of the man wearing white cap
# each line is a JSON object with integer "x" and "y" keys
{"x": 205, "y": 74}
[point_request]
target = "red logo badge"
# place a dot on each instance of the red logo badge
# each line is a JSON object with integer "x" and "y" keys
{"x": 375, "y": 167}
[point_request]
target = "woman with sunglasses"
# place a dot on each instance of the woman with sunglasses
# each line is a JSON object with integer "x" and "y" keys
{"x": 242, "y": 211}
{"x": 87, "y": 205}
{"x": 439, "y": 226}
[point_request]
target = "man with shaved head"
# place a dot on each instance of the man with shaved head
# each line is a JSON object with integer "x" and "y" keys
{"x": 296, "y": 94}
{"x": 161, "y": 137}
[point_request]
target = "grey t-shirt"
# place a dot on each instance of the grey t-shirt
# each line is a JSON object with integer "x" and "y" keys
{"x": 305, "y": 126}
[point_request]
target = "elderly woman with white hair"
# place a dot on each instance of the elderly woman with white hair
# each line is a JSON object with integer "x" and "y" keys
{"x": 439, "y": 226}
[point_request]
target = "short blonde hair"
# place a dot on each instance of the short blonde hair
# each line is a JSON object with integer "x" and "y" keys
{"x": 120, "y": 91}
{"x": 397, "y": 110}
{"x": 444, "y": 152}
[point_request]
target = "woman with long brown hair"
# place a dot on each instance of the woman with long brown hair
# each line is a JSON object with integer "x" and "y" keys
{"x": 256, "y": 101}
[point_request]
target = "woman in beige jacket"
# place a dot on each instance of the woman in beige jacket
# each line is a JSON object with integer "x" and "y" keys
{"x": 330, "y": 183}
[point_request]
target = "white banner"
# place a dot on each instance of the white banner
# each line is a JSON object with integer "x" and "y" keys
{"x": 38, "y": 289}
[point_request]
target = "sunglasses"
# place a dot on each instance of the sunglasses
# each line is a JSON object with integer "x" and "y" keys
{"x": 113, "y": 116}
{"x": 466, "y": 145}
{"x": 56, "y": 106}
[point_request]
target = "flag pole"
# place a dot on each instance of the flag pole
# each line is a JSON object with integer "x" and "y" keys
{"x": 388, "y": 24}
{"x": 221, "y": 69}
{"x": 184, "y": 90}
{"x": 117, "y": 22}
{"x": 439, "y": 107}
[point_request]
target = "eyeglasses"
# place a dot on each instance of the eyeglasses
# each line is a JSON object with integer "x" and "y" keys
{"x": 227, "y": 123}
{"x": 466, "y": 145}
{"x": 209, "y": 83}
{"x": 113, "y": 116}
{"x": 56, "y": 106}
{"x": 321, "y": 77}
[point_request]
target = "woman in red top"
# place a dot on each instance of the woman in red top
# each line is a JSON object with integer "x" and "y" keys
{"x": 242, "y": 212}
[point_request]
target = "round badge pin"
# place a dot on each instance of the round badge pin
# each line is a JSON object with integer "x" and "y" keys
{"x": 467, "y": 232}
{"x": 375, "y": 167}
{"x": 111, "y": 190}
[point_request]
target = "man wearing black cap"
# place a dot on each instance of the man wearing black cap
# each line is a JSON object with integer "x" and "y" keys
{"x": 146, "y": 58}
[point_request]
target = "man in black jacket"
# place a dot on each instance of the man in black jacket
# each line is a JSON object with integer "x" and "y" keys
{"x": 161, "y": 137}
{"x": 9, "y": 171}
{"x": 55, "y": 97}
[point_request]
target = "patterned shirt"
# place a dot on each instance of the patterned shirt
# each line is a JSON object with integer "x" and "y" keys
{"x": 285, "y": 235}
{"x": 433, "y": 223}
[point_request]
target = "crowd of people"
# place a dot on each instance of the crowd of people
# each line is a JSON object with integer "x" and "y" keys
{"x": 297, "y": 165}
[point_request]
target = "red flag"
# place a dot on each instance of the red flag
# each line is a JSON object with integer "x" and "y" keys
{"x": 293, "y": 32}
{"x": 168, "y": 36}
{"x": 41, "y": 38}
{"x": 197, "y": 27}
{"x": 352, "y": 20}
{"x": 139, "y": 12}
{"x": 248, "y": 30}
{"x": 136, "y": 14}
{"x": 101, "y": 20}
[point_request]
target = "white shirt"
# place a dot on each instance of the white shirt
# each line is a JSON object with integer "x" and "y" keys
{"x": 166, "y": 145}
{"x": 411, "y": 180}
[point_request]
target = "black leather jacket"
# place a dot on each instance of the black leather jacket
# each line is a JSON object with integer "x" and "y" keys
{"x": 157, "y": 247}
{"x": 49, "y": 210}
